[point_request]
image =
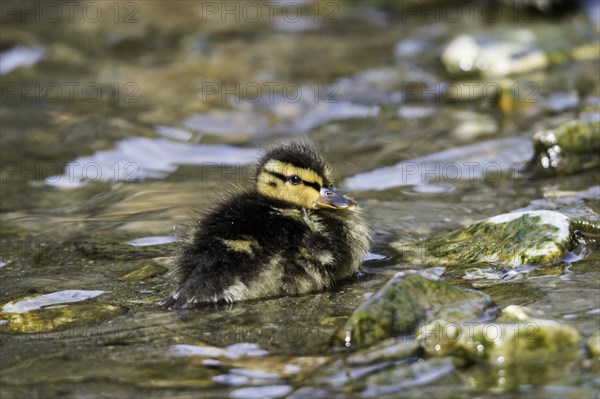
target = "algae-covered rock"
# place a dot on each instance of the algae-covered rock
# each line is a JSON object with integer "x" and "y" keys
{"x": 514, "y": 337}
{"x": 582, "y": 208}
{"x": 568, "y": 149}
{"x": 409, "y": 298}
{"x": 55, "y": 319}
{"x": 593, "y": 344}
{"x": 574, "y": 204}
{"x": 512, "y": 239}
{"x": 50, "y": 312}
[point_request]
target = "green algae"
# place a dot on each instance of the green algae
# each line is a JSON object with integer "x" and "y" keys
{"x": 407, "y": 299}
{"x": 536, "y": 237}
{"x": 515, "y": 337}
{"x": 58, "y": 318}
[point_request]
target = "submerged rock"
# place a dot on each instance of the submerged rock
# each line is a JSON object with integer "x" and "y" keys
{"x": 568, "y": 149}
{"x": 512, "y": 239}
{"x": 515, "y": 337}
{"x": 407, "y": 299}
{"x": 144, "y": 272}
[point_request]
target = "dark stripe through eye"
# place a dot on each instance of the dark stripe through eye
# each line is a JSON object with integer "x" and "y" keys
{"x": 294, "y": 180}
{"x": 313, "y": 185}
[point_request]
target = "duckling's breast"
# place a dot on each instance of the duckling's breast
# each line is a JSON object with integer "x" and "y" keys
{"x": 350, "y": 238}
{"x": 336, "y": 241}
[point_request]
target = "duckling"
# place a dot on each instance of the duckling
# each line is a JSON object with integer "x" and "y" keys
{"x": 291, "y": 233}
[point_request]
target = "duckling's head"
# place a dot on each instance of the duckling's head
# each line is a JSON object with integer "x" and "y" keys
{"x": 296, "y": 173}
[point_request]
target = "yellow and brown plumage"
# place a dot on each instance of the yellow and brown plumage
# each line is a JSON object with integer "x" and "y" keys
{"x": 289, "y": 234}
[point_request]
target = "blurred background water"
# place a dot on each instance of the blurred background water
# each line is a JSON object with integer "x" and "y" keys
{"x": 121, "y": 120}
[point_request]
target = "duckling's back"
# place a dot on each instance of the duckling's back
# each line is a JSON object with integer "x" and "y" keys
{"x": 252, "y": 246}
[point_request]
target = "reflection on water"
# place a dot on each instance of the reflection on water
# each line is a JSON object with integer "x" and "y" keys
{"x": 20, "y": 56}
{"x": 99, "y": 187}
{"x": 148, "y": 241}
{"x": 292, "y": 113}
{"x": 273, "y": 391}
{"x": 488, "y": 160}
{"x": 56, "y": 298}
{"x": 139, "y": 158}
{"x": 234, "y": 351}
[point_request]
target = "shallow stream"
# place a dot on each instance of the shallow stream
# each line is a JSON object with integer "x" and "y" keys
{"x": 117, "y": 127}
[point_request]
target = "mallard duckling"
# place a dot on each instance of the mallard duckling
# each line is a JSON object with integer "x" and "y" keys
{"x": 289, "y": 234}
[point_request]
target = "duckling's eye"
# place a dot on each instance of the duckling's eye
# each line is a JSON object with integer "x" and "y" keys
{"x": 295, "y": 180}
{"x": 330, "y": 186}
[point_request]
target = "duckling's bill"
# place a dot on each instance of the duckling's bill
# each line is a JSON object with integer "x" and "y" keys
{"x": 329, "y": 198}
